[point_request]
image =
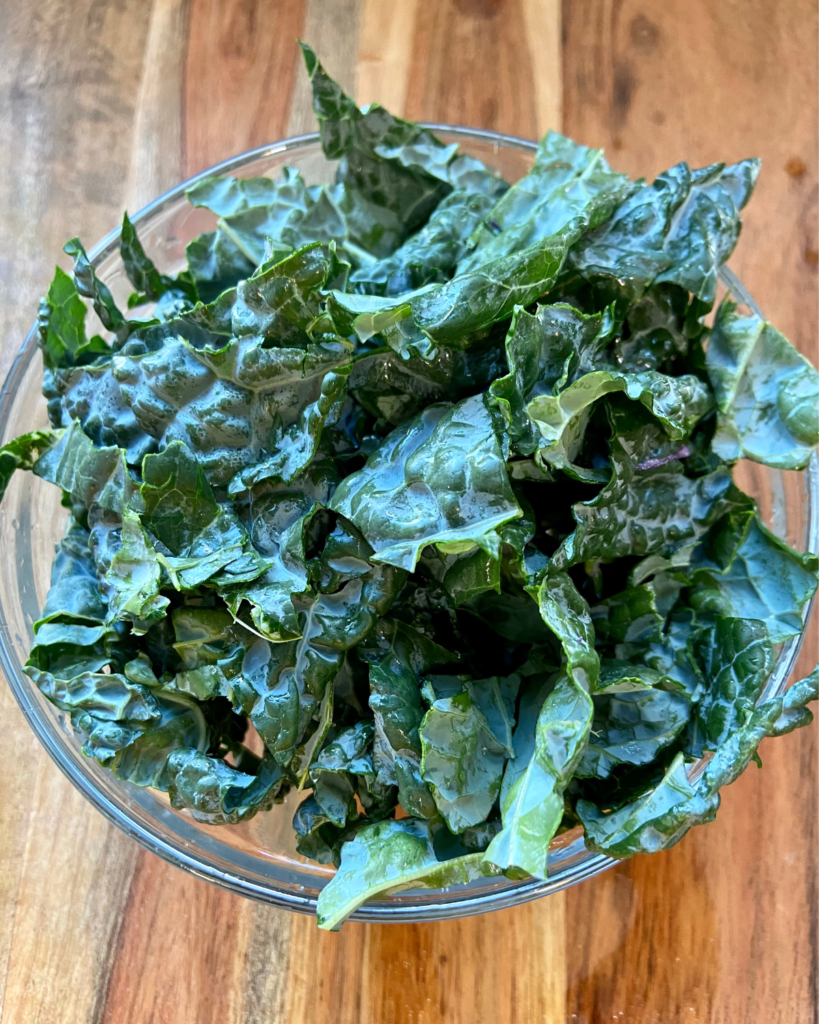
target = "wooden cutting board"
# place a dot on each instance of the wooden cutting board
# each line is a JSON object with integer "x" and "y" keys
{"x": 108, "y": 103}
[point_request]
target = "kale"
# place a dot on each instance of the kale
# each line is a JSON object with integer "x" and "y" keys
{"x": 427, "y": 479}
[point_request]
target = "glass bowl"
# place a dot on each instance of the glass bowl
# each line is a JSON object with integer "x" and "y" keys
{"x": 258, "y": 858}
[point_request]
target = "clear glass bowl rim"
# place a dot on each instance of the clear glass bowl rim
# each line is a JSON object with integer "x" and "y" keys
{"x": 180, "y": 854}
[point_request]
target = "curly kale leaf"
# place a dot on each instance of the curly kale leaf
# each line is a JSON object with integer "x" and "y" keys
{"x": 568, "y": 184}
{"x": 133, "y": 579}
{"x": 632, "y": 728}
{"x": 217, "y": 794}
{"x": 389, "y": 856}
{"x": 462, "y": 761}
{"x": 649, "y": 506}
{"x": 678, "y": 403}
{"x": 396, "y": 164}
{"x": 89, "y": 286}
{"x": 172, "y": 293}
{"x": 567, "y": 615}
{"x": 429, "y": 255}
{"x": 744, "y": 571}
{"x": 398, "y": 657}
{"x": 292, "y": 678}
{"x": 767, "y": 393}
{"x": 661, "y": 818}
{"x": 202, "y": 539}
{"x": 438, "y": 479}
{"x": 532, "y": 806}
{"x": 24, "y": 452}
{"x": 679, "y": 230}
{"x": 546, "y": 351}
{"x": 61, "y": 327}
{"x": 735, "y": 657}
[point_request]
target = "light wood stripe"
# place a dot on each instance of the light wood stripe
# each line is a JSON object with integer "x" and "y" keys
{"x": 543, "y": 21}
{"x": 385, "y": 51}
{"x": 157, "y": 154}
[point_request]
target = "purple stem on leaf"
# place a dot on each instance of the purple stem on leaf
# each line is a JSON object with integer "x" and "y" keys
{"x": 681, "y": 453}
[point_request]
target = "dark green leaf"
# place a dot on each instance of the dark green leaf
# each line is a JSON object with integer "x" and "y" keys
{"x": 437, "y": 479}
{"x": 567, "y": 615}
{"x": 61, "y": 326}
{"x": 680, "y": 229}
{"x": 662, "y": 817}
{"x": 433, "y": 251}
{"x": 462, "y": 761}
{"x": 567, "y": 184}
{"x": 143, "y": 275}
{"x": 217, "y": 794}
{"x": 511, "y": 614}
{"x": 258, "y": 215}
{"x": 396, "y": 389}
{"x": 673, "y": 656}
{"x": 94, "y": 477}
{"x": 398, "y": 656}
{"x": 293, "y": 676}
{"x": 532, "y": 807}
{"x": 216, "y": 264}
{"x": 649, "y": 506}
{"x": 334, "y": 770}
{"x": 654, "y": 822}
{"x": 546, "y": 353}
{"x": 679, "y": 403}
{"x": 488, "y": 293}
{"x": 397, "y": 164}
{"x": 297, "y": 447}
{"x": 144, "y": 760}
{"x": 749, "y": 573}
{"x": 181, "y": 511}
{"x": 657, "y": 329}
{"x": 472, "y": 574}
{"x": 90, "y": 287}
{"x": 736, "y": 658}
{"x": 67, "y": 650}
{"x": 767, "y": 393}
{"x": 270, "y": 595}
{"x": 632, "y": 728}
{"x": 132, "y": 580}
{"x": 390, "y": 856}
{"x": 773, "y": 717}
{"x": 23, "y": 452}
{"x": 74, "y": 595}
{"x": 629, "y": 617}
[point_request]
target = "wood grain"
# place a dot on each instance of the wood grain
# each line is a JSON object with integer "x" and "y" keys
{"x": 240, "y": 68}
{"x": 433, "y": 973}
{"x": 471, "y": 66}
{"x": 158, "y": 148}
{"x": 107, "y": 102}
{"x": 385, "y": 51}
{"x": 228, "y": 953}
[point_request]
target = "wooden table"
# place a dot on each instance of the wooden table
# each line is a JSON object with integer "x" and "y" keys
{"x": 107, "y": 102}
